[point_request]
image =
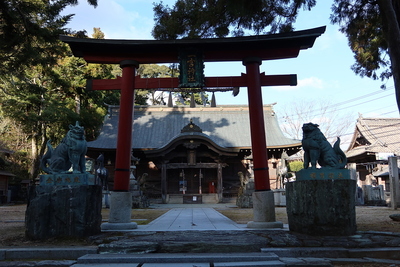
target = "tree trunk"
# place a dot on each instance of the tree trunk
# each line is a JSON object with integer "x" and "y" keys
{"x": 34, "y": 157}
{"x": 390, "y": 12}
{"x": 78, "y": 104}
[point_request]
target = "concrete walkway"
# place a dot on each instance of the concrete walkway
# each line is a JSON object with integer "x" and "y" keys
{"x": 182, "y": 219}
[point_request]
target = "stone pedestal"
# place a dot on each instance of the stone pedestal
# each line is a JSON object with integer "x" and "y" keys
{"x": 319, "y": 205}
{"x": 63, "y": 211}
{"x": 139, "y": 200}
{"x": 374, "y": 195}
{"x": 245, "y": 196}
{"x": 280, "y": 197}
{"x": 120, "y": 212}
{"x": 264, "y": 211}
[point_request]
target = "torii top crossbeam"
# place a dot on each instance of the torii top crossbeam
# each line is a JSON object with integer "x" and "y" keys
{"x": 251, "y": 50}
{"x": 266, "y": 47}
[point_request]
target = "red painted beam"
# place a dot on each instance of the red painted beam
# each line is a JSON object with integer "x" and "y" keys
{"x": 154, "y": 83}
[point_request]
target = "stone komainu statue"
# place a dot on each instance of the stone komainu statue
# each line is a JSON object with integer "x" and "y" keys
{"x": 70, "y": 152}
{"x": 318, "y": 149}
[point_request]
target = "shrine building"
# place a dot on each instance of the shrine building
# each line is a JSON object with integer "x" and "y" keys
{"x": 186, "y": 152}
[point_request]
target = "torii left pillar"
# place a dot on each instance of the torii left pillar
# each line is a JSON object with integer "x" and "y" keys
{"x": 263, "y": 197}
{"x": 121, "y": 198}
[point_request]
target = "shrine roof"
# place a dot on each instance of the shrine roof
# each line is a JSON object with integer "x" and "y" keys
{"x": 227, "y": 126}
{"x": 375, "y": 135}
{"x": 266, "y": 47}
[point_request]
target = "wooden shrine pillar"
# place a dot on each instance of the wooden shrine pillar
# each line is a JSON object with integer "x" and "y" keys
{"x": 124, "y": 140}
{"x": 257, "y": 130}
{"x": 220, "y": 185}
{"x": 164, "y": 182}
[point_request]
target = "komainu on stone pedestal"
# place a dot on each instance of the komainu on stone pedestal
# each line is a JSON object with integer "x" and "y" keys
{"x": 67, "y": 203}
{"x": 318, "y": 150}
{"x": 63, "y": 211}
{"x": 322, "y": 200}
{"x": 69, "y": 153}
{"x": 66, "y": 164}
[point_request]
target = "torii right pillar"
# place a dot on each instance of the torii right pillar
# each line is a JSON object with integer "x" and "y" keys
{"x": 263, "y": 197}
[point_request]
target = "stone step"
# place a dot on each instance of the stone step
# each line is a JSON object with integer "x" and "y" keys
{"x": 191, "y": 264}
{"x": 392, "y": 253}
{"x": 161, "y": 258}
{"x": 45, "y": 253}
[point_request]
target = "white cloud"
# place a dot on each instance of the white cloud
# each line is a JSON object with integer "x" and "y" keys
{"x": 311, "y": 82}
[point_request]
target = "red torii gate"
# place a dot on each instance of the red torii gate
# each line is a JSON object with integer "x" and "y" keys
{"x": 256, "y": 115}
{"x": 250, "y": 50}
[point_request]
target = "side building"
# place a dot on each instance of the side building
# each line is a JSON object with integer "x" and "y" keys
{"x": 374, "y": 140}
{"x": 5, "y": 176}
{"x": 182, "y": 152}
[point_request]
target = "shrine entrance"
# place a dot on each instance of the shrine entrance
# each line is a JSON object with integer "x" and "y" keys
{"x": 192, "y": 185}
{"x": 191, "y": 54}
{"x": 191, "y": 166}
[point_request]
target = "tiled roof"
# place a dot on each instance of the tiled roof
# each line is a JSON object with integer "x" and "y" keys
{"x": 6, "y": 173}
{"x": 383, "y": 171}
{"x": 378, "y": 135}
{"x": 227, "y": 126}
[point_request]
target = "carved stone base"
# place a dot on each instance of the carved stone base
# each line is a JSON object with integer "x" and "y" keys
{"x": 120, "y": 212}
{"x": 322, "y": 174}
{"x": 63, "y": 211}
{"x": 322, "y": 207}
{"x": 245, "y": 195}
{"x": 264, "y": 225}
{"x": 264, "y": 211}
{"x": 73, "y": 179}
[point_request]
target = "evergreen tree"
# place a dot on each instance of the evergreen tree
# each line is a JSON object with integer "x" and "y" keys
{"x": 372, "y": 26}
{"x": 45, "y": 98}
{"x": 153, "y": 71}
{"x": 220, "y": 18}
{"x": 29, "y": 32}
{"x": 373, "y": 31}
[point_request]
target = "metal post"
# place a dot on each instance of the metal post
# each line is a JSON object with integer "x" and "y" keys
{"x": 258, "y": 138}
{"x": 124, "y": 140}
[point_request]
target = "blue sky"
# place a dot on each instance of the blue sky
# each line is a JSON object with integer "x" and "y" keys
{"x": 323, "y": 72}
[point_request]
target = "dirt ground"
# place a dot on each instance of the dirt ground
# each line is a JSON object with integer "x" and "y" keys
{"x": 12, "y": 222}
{"x": 367, "y": 218}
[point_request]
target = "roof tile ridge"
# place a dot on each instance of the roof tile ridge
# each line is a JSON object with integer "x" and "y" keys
{"x": 377, "y": 140}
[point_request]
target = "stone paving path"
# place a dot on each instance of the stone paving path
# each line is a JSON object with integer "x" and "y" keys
{"x": 179, "y": 219}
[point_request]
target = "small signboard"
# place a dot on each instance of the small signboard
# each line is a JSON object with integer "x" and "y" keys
{"x": 192, "y": 199}
{"x": 191, "y": 69}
